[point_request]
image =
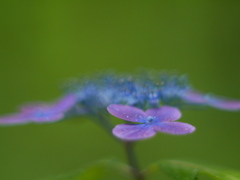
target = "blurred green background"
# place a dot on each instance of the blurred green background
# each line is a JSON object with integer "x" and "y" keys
{"x": 42, "y": 43}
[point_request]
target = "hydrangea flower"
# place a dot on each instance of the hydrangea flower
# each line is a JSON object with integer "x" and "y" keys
{"x": 151, "y": 121}
{"x": 40, "y": 112}
{"x": 144, "y": 90}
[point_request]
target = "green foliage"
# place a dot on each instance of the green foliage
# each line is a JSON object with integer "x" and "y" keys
{"x": 180, "y": 170}
{"x": 101, "y": 170}
{"x": 177, "y": 170}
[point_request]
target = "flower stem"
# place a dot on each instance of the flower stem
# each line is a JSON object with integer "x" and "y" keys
{"x": 133, "y": 161}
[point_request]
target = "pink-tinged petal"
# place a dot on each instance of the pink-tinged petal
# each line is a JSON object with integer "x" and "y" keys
{"x": 133, "y": 132}
{"x": 34, "y": 107}
{"x": 222, "y": 103}
{"x": 40, "y": 118}
{"x": 194, "y": 97}
{"x": 128, "y": 113}
{"x": 62, "y": 105}
{"x": 174, "y": 128}
{"x": 14, "y": 119}
{"x": 49, "y": 112}
{"x": 65, "y": 103}
{"x": 41, "y": 112}
{"x": 164, "y": 113}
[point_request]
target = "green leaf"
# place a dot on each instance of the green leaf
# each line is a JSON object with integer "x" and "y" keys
{"x": 67, "y": 176}
{"x": 179, "y": 170}
{"x": 101, "y": 170}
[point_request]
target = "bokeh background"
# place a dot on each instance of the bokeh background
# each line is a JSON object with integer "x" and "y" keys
{"x": 42, "y": 43}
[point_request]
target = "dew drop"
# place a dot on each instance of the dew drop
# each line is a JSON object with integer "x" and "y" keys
{"x": 150, "y": 119}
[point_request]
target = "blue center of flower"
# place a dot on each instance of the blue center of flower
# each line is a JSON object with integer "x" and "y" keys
{"x": 41, "y": 114}
{"x": 150, "y": 119}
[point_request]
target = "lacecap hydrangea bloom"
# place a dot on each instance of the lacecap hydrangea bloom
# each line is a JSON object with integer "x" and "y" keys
{"x": 155, "y": 96}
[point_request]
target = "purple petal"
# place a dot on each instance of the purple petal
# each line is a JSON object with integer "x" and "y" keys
{"x": 41, "y": 112}
{"x": 133, "y": 132}
{"x": 49, "y": 112}
{"x": 193, "y": 97}
{"x": 164, "y": 113}
{"x": 46, "y": 117}
{"x": 14, "y": 119}
{"x": 62, "y": 105}
{"x": 23, "y": 118}
{"x": 36, "y": 107}
{"x": 65, "y": 103}
{"x": 222, "y": 103}
{"x": 174, "y": 127}
{"x": 128, "y": 113}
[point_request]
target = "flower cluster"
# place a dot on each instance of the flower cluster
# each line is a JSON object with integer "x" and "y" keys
{"x": 144, "y": 90}
{"x": 148, "y": 90}
{"x": 149, "y": 98}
